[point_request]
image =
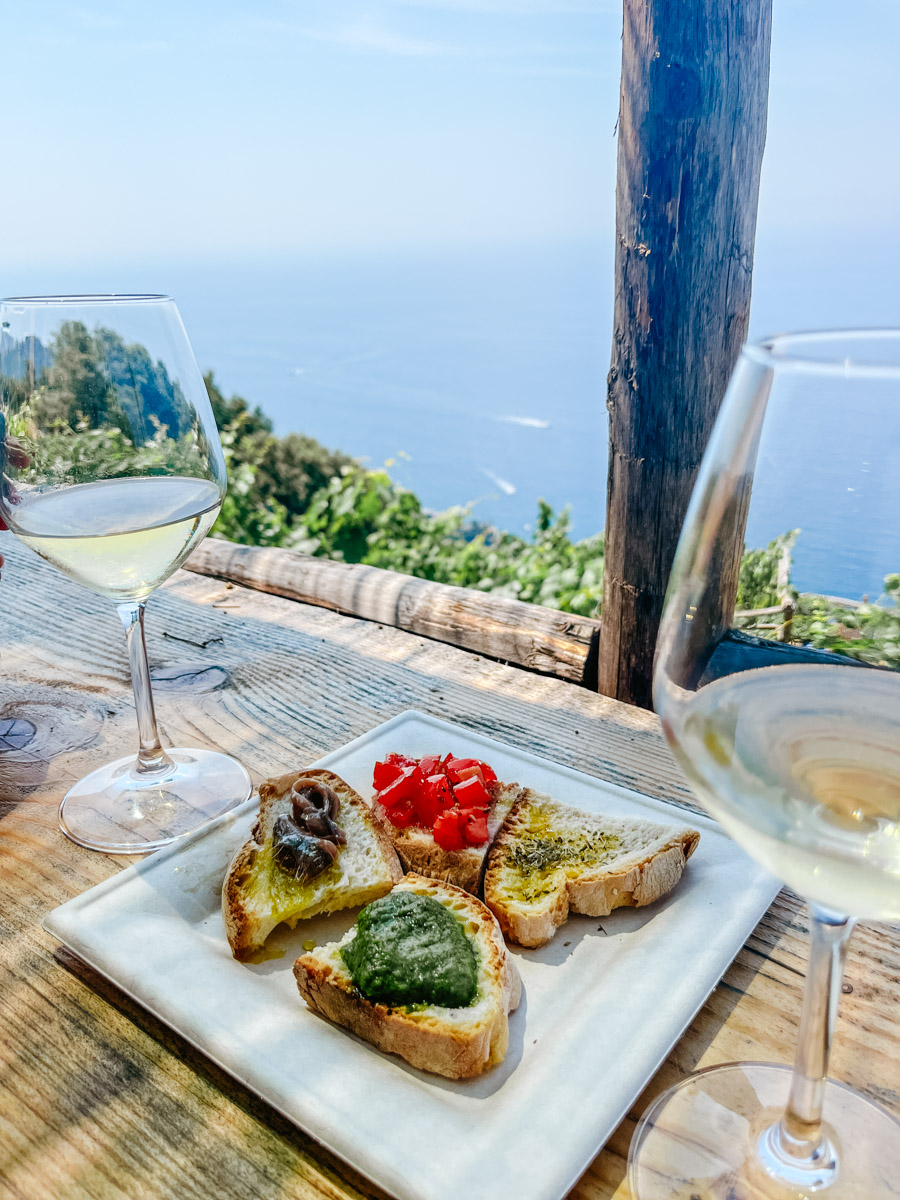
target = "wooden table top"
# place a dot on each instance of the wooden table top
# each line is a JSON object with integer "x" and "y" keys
{"x": 98, "y": 1100}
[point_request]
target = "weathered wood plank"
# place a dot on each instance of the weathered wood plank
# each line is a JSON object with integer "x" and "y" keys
{"x": 98, "y": 1100}
{"x": 540, "y": 639}
{"x": 692, "y": 123}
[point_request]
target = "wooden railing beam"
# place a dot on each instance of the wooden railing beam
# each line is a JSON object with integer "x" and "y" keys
{"x": 528, "y": 635}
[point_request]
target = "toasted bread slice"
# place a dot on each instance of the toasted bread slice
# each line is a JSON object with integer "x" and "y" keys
{"x": 551, "y": 859}
{"x": 257, "y": 895}
{"x": 455, "y": 1042}
{"x": 420, "y": 853}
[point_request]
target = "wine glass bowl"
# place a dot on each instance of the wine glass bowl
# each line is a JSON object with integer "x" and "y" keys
{"x": 777, "y": 685}
{"x": 113, "y": 472}
{"x": 125, "y": 421}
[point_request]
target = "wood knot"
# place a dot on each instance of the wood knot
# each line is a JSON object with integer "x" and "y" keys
{"x": 15, "y": 733}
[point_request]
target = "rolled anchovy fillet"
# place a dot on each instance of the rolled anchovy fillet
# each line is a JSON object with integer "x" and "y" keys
{"x": 299, "y": 854}
{"x": 308, "y": 842}
{"x": 316, "y": 807}
{"x": 307, "y": 793}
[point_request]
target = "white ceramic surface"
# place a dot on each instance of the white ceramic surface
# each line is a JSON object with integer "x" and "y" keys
{"x": 604, "y": 1002}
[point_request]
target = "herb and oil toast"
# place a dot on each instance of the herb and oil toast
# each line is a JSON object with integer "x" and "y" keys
{"x": 425, "y": 974}
{"x": 550, "y": 859}
{"x": 316, "y": 847}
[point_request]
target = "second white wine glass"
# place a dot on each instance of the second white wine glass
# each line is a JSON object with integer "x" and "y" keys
{"x": 792, "y": 741}
{"x": 113, "y": 472}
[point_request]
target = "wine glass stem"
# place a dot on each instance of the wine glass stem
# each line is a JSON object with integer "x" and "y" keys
{"x": 798, "y": 1135}
{"x": 151, "y": 759}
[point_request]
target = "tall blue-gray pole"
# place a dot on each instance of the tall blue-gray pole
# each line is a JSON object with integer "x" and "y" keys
{"x": 692, "y": 128}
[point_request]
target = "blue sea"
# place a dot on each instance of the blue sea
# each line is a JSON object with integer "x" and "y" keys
{"x": 478, "y": 374}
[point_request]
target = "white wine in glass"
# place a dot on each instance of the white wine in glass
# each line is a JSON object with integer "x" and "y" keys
{"x": 804, "y": 761}
{"x": 791, "y": 741}
{"x": 120, "y": 537}
{"x": 113, "y": 472}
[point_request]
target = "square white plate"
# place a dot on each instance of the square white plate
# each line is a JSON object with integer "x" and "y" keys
{"x": 604, "y": 1002}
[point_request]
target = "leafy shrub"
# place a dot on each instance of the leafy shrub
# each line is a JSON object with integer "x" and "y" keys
{"x": 270, "y": 479}
{"x": 868, "y": 632}
{"x": 758, "y": 577}
{"x": 362, "y": 516}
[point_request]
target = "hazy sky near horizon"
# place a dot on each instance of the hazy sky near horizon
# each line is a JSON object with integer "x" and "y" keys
{"x": 212, "y": 128}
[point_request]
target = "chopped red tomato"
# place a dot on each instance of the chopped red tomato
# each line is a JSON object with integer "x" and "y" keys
{"x": 471, "y": 793}
{"x": 402, "y": 815}
{"x": 392, "y": 768}
{"x": 490, "y": 776}
{"x": 435, "y": 795}
{"x": 448, "y": 795}
{"x": 455, "y": 765}
{"x": 470, "y": 773}
{"x": 430, "y": 764}
{"x": 475, "y": 828}
{"x": 404, "y": 787}
{"x": 447, "y": 832}
{"x": 460, "y": 768}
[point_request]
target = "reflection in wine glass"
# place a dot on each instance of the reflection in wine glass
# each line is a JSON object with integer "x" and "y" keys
{"x": 793, "y": 744}
{"x": 112, "y": 471}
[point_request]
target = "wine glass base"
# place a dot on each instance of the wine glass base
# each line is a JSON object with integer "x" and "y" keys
{"x": 705, "y": 1139}
{"x": 116, "y": 810}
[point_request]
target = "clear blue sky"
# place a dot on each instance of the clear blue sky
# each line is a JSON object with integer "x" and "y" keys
{"x": 139, "y": 128}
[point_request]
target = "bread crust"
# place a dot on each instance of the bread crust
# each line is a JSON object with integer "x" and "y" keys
{"x": 420, "y": 853}
{"x": 426, "y": 1039}
{"x": 246, "y": 931}
{"x": 630, "y": 879}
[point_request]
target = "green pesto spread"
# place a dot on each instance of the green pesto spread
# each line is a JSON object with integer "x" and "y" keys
{"x": 410, "y": 950}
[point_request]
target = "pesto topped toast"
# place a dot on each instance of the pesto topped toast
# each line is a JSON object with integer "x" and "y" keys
{"x": 550, "y": 859}
{"x": 425, "y": 974}
{"x": 285, "y": 872}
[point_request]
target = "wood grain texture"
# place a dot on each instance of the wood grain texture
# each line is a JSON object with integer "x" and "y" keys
{"x": 692, "y": 123}
{"x": 98, "y": 1100}
{"x": 528, "y": 635}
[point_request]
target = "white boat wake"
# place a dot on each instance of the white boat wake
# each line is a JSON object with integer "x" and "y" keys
{"x": 503, "y": 484}
{"x": 528, "y": 422}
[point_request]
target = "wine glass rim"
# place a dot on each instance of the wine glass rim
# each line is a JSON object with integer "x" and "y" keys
{"x": 803, "y": 351}
{"x": 92, "y": 298}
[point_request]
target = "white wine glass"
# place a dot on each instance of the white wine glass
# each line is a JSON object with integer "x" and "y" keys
{"x": 113, "y": 472}
{"x": 791, "y": 740}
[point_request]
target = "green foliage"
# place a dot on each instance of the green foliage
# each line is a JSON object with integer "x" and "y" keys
{"x": 362, "y": 516}
{"x": 244, "y": 517}
{"x": 81, "y": 454}
{"x": 95, "y": 379}
{"x": 270, "y": 480}
{"x": 759, "y": 585}
{"x": 92, "y": 406}
{"x": 868, "y": 632}
{"x": 293, "y": 492}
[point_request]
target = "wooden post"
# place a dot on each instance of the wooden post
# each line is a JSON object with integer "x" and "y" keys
{"x": 692, "y": 124}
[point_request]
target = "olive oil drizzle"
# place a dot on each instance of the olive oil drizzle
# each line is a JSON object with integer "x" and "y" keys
{"x": 541, "y": 853}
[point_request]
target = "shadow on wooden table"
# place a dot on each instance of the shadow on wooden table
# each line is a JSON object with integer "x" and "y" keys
{"x": 247, "y": 1101}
